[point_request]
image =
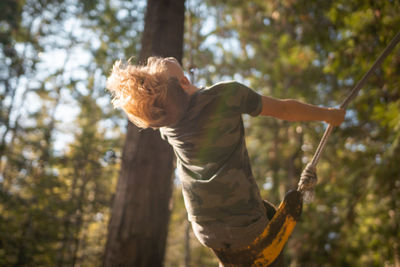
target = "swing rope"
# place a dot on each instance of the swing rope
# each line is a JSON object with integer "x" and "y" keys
{"x": 308, "y": 179}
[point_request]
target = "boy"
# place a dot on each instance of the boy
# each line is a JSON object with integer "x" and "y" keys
{"x": 205, "y": 129}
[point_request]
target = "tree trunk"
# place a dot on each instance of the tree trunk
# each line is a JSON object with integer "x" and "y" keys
{"x": 139, "y": 222}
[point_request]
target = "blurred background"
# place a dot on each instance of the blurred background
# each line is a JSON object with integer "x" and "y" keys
{"x": 61, "y": 140}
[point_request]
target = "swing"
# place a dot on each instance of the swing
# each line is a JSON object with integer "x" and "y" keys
{"x": 267, "y": 247}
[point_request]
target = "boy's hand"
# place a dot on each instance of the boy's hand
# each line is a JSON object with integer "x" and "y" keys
{"x": 335, "y": 116}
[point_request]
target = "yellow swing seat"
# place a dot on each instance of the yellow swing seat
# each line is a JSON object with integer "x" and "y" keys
{"x": 267, "y": 247}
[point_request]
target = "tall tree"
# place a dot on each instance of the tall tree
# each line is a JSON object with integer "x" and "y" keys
{"x": 140, "y": 213}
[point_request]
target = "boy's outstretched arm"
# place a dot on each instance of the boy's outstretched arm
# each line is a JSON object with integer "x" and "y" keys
{"x": 293, "y": 110}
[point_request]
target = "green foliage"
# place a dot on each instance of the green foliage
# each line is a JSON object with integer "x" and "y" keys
{"x": 55, "y": 198}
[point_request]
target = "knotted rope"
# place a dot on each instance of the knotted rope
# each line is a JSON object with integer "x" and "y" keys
{"x": 308, "y": 178}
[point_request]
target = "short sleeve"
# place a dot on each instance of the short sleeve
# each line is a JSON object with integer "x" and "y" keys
{"x": 241, "y": 98}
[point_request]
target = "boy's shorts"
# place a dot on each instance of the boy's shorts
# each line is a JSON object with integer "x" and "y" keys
{"x": 279, "y": 261}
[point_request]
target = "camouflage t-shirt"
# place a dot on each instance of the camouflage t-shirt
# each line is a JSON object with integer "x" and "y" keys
{"x": 221, "y": 197}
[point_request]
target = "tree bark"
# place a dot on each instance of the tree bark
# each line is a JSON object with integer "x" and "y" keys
{"x": 138, "y": 226}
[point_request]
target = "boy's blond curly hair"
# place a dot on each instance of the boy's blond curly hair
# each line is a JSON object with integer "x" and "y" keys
{"x": 149, "y": 97}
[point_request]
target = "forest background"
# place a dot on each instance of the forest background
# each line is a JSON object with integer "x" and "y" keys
{"x": 61, "y": 140}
